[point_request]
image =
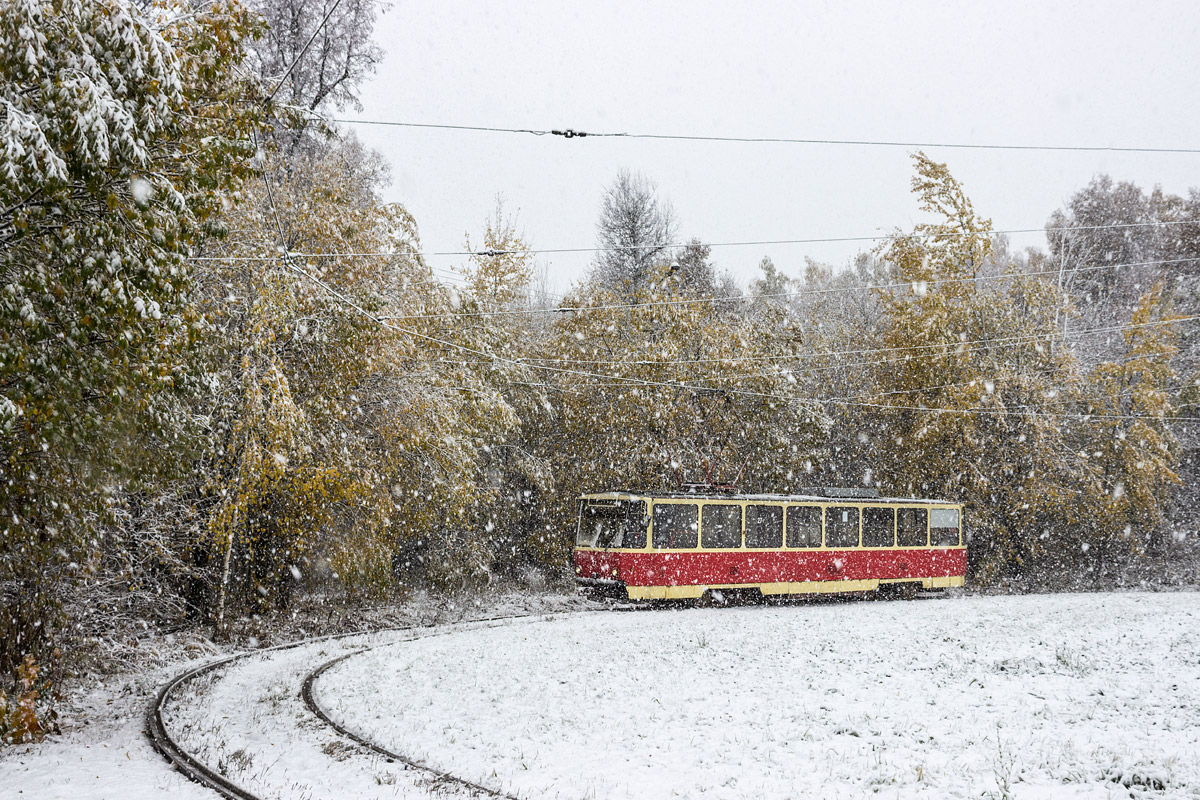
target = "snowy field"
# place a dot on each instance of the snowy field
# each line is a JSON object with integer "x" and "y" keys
{"x": 1025, "y": 697}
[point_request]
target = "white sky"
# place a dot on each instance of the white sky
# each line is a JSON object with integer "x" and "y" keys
{"x": 1093, "y": 73}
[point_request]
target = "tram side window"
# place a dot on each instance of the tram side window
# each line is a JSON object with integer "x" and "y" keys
{"x": 878, "y": 527}
{"x": 764, "y": 526}
{"x": 841, "y": 526}
{"x": 943, "y": 527}
{"x": 675, "y": 526}
{"x": 912, "y": 527}
{"x": 804, "y": 526}
{"x": 635, "y": 526}
{"x": 721, "y": 526}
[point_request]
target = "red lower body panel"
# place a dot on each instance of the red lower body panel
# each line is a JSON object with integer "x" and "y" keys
{"x": 666, "y": 568}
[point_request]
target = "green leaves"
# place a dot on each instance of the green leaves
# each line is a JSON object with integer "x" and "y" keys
{"x": 121, "y": 131}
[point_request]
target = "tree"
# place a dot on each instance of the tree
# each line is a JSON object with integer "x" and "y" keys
{"x": 1132, "y": 439}
{"x": 1113, "y": 240}
{"x": 966, "y": 409}
{"x": 1103, "y": 225}
{"x": 634, "y": 234}
{"x": 499, "y": 273}
{"x": 499, "y": 319}
{"x": 772, "y": 284}
{"x": 342, "y": 54}
{"x": 693, "y": 270}
{"x": 1116, "y": 241}
{"x": 122, "y": 133}
{"x": 671, "y": 388}
{"x": 357, "y": 413}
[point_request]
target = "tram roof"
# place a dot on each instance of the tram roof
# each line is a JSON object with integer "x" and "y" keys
{"x": 774, "y": 498}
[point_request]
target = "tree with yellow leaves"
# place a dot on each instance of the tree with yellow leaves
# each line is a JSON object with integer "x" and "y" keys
{"x": 970, "y": 397}
{"x": 1130, "y": 436}
{"x": 125, "y": 128}
{"x": 347, "y": 420}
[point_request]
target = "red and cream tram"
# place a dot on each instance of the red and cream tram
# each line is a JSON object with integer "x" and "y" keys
{"x": 678, "y": 546}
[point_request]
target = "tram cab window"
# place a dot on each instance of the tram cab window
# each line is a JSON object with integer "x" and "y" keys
{"x": 675, "y": 526}
{"x": 841, "y": 526}
{"x": 878, "y": 529}
{"x": 721, "y": 526}
{"x": 912, "y": 527}
{"x": 804, "y": 526}
{"x": 596, "y": 523}
{"x": 943, "y": 527}
{"x": 619, "y": 524}
{"x": 764, "y": 526}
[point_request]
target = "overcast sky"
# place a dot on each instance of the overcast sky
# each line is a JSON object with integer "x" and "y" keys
{"x": 1079, "y": 74}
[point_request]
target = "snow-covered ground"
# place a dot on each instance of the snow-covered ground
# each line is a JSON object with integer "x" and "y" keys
{"x": 1029, "y": 697}
{"x": 245, "y": 720}
{"x": 105, "y": 754}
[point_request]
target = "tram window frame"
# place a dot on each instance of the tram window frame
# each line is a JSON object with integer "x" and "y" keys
{"x": 729, "y": 536}
{"x": 919, "y": 531}
{"x": 945, "y": 540}
{"x": 669, "y": 540}
{"x": 878, "y": 535}
{"x": 758, "y": 535}
{"x": 634, "y": 535}
{"x": 618, "y": 525}
{"x": 580, "y": 539}
{"x": 602, "y": 521}
{"x": 834, "y": 526}
{"x": 808, "y": 542}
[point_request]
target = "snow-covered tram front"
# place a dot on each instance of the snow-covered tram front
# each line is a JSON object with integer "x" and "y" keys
{"x": 610, "y": 529}
{"x": 830, "y": 540}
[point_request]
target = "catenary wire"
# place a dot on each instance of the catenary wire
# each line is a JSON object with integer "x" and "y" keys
{"x": 569, "y": 133}
{"x": 939, "y": 346}
{"x": 287, "y": 262}
{"x": 773, "y": 295}
{"x": 670, "y": 245}
{"x": 678, "y": 385}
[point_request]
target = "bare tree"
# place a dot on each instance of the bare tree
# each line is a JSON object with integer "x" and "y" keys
{"x": 1105, "y": 224}
{"x": 342, "y": 55}
{"x": 634, "y": 233}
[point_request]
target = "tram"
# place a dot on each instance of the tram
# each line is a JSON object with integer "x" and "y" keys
{"x": 828, "y": 540}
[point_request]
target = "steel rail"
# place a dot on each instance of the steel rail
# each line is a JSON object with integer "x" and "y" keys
{"x": 195, "y": 770}
{"x": 185, "y": 762}
{"x": 310, "y": 700}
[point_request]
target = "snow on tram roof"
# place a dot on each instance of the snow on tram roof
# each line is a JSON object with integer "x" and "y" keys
{"x": 774, "y": 498}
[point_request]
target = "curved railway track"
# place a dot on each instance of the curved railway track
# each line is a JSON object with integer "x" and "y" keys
{"x": 204, "y": 774}
{"x": 306, "y": 693}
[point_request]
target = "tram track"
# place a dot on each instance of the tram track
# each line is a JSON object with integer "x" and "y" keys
{"x": 204, "y": 774}
{"x": 194, "y": 767}
{"x": 306, "y": 693}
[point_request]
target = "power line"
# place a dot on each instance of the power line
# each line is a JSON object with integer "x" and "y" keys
{"x": 671, "y": 245}
{"x": 797, "y": 293}
{"x": 678, "y": 385}
{"x": 617, "y": 379}
{"x": 939, "y": 347}
{"x": 569, "y": 133}
{"x": 448, "y": 274}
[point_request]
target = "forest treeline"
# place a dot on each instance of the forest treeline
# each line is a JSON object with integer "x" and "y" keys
{"x": 207, "y": 406}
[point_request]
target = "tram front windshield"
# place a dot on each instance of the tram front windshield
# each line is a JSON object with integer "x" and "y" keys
{"x": 611, "y": 525}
